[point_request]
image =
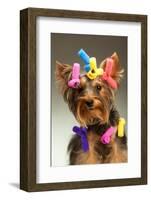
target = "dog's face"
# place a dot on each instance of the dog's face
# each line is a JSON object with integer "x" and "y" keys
{"x": 92, "y": 101}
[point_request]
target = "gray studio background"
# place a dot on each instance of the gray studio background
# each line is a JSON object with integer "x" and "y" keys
{"x": 64, "y": 48}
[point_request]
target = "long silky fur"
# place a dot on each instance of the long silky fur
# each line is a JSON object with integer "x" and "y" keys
{"x": 107, "y": 114}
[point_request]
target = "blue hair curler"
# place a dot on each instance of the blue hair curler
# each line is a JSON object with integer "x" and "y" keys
{"x": 84, "y": 56}
{"x": 87, "y": 67}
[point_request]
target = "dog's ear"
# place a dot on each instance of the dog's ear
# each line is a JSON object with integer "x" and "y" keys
{"x": 117, "y": 71}
{"x": 63, "y": 75}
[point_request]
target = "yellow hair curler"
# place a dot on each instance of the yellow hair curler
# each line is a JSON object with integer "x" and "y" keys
{"x": 120, "y": 127}
{"x": 94, "y": 71}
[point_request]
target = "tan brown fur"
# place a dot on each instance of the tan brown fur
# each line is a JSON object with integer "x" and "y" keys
{"x": 97, "y": 118}
{"x": 93, "y": 157}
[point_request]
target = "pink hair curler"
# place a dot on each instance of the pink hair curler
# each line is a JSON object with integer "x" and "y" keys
{"x": 106, "y": 137}
{"x": 107, "y": 74}
{"x": 75, "y": 81}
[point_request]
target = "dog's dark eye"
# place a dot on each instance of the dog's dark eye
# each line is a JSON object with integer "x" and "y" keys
{"x": 98, "y": 87}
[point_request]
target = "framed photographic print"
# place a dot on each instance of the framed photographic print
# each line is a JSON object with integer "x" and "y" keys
{"x": 83, "y": 99}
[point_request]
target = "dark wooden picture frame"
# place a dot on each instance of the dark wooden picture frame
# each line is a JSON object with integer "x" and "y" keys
{"x": 28, "y": 99}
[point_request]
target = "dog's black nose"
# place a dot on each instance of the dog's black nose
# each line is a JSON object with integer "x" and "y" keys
{"x": 89, "y": 103}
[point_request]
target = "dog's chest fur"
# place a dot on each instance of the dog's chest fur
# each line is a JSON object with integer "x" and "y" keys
{"x": 114, "y": 152}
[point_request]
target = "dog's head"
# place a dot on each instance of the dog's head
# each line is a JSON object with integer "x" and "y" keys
{"x": 92, "y": 101}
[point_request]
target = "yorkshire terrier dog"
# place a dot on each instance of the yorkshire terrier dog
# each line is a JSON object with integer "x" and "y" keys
{"x": 93, "y": 105}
